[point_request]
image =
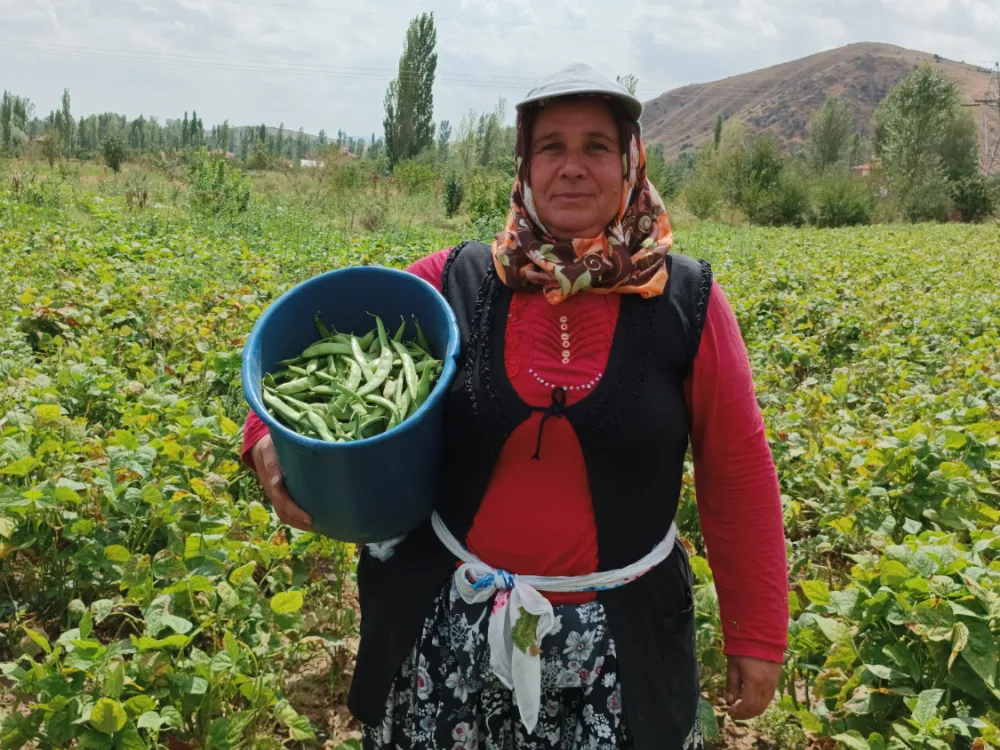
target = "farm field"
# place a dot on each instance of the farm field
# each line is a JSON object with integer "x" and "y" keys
{"x": 149, "y": 598}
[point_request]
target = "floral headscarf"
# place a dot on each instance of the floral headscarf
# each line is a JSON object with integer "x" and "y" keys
{"x": 628, "y": 258}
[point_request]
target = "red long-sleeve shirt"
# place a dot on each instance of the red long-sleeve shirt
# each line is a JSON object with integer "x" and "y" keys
{"x": 537, "y": 517}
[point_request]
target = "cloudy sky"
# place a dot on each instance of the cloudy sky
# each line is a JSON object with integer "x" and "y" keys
{"x": 326, "y": 63}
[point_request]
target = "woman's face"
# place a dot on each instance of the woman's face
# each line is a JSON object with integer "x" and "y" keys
{"x": 575, "y": 168}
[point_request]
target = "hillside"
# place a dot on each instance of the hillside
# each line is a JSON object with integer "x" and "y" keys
{"x": 783, "y": 99}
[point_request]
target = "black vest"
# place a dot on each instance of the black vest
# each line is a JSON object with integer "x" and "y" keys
{"x": 633, "y": 431}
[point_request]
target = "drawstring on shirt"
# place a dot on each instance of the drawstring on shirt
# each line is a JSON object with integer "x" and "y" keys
{"x": 557, "y": 408}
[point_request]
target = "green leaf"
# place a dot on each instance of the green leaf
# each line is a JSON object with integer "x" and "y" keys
{"x": 139, "y": 705}
{"x": 116, "y": 553}
{"x": 980, "y": 651}
{"x": 172, "y": 717}
{"x": 101, "y": 609}
{"x": 876, "y": 741}
{"x": 7, "y": 527}
{"x": 300, "y": 729}
{"x": 150, "y": 720}
{"x": 40, "y": 640}
{"x": 242, "y": 574}
{"x": 21, "y": 467}
{"x": 259, "y": 515}
{"x": 926, "y": 708}
{"x": 844, "y": 601}
{"x": 959, "y": 640}
{"x": 953, "y": 439}
{"x": 86, "y": 625}
{"x": 129, "y": 739}
{"x": 883, "y": 672}
{"x": 94, "y": 741}
{"x": 816, "y": 591}
{"x": 699, "y": 566}
{"x": 115, "y": 682}
{"x": 146, "y": 643}
{"x": 853, "y": 740}
{"x": 834, "y": 630}
{"x": 193, "y": 685}
{"x": 107, "y": 716}
{"x": 709, "y": 721}
{"x": 67, "y": 496}
{"x": 894, "y": 574}
{"x": 286, "y": 602}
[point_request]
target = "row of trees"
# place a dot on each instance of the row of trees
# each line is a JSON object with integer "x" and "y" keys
{"x": 63, "y": 136}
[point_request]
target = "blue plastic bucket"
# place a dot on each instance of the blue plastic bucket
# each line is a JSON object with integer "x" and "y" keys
{"x": 383, "y": 487}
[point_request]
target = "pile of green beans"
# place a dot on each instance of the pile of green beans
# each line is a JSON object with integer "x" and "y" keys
{"x": 345, "y": 388}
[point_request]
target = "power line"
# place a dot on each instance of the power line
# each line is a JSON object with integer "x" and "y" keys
{"x": 992, "y": 99}
{"x": 546, "y": 27}
{"x": 497, "y": 82}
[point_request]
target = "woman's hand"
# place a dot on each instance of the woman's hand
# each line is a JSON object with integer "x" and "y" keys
{"x": 750, "y": 686}
{"x": 265, "y": 460}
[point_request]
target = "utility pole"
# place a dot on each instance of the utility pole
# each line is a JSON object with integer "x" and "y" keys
{"x": 991, "y": 109}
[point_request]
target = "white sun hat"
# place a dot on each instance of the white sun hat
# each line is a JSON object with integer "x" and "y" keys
{"x": 578, "y": 79}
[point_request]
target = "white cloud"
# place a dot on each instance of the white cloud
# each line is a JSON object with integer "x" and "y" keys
{"x": 326, "y": 63}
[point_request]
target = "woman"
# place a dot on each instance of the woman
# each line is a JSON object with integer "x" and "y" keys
{"x": 590, "y": 356}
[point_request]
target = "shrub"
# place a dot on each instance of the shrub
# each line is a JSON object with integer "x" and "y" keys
{"x": 413, "y": 176}
{"x": 489, "y": 198}
{"x": 843, "y": 201}
{"x": 453, "y": 195}
{"x": 703, "y": 197}
{"x": 114, "y": 152}
{"x": 781, "y": 203}
{"x": 972, "y": 198}
{"x": 927, "y": 197}
{"x": 216, "y": 187}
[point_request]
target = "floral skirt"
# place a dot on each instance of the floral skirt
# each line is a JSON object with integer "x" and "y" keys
{"x": 446, "y": 696}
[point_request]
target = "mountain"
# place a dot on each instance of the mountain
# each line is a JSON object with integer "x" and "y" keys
{"x": 783, "y": 99}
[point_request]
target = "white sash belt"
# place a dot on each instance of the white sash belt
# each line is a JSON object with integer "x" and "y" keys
{"x": 522, "y": 617}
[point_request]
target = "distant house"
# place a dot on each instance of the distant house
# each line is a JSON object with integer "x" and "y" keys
{"x": 311, "y": 163}
{"x": 865, "y": 170}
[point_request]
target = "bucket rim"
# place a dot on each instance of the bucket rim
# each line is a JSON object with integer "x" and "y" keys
{"x": 252, "y": 391}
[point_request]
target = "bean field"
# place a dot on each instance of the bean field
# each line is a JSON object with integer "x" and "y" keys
{"x": 149, "y": 598}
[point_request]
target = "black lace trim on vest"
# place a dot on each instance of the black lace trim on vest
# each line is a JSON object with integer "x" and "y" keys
{"x": 701, "y": 311}
{"x": 448, "y": 263}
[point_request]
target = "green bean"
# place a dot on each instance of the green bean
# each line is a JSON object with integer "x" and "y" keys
{"x": 421, "y": 339}
{"x": 401, "y": 330}
{"x": 380, "y": 374}
{"x": 320, "y": 426}
{"x": 398, "y": 392}
{"x": 283, "y": 410}
{"x": 383, "y": 339}
{"x": 362, "y": 360}
{"x": 348, "y": 394}
{"x": 345, "y": 387}
{"x": 324, "y": 332}
{"x": 295, "y": 386}
{"x": 324, "y": 348}
{"x": 423, "y": 387}
{"x": 409, "y": 371}
{"x": 371, "y": 397}
{"x": 366, "y": 341}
